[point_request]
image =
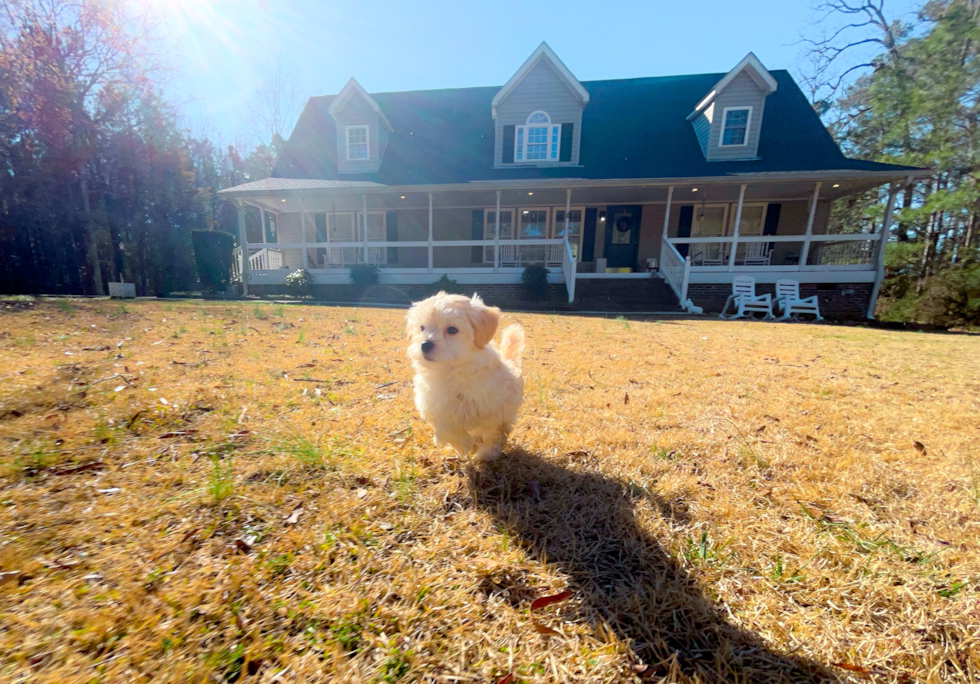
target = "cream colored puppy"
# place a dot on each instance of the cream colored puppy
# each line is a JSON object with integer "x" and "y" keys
{"x": 464, "y": 387}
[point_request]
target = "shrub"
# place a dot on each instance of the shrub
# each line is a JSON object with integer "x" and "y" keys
{"x": 363, "y": 276}
{"x": 447, "y": 285}
{"x": 213, "y": 254}
{"x": 534, "y": 283}
{"x": 299, "y": 283}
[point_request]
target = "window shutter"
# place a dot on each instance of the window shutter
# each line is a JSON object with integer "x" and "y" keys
{"x": 588, "y": 233}
{"x": 508, "y": 154}
{"x": 684, "y": 222}
{"x": 772, "y": 223}
{"x": 565, "y": 150}
{"x": 320, "y": 230}
{"x": 476, "y": 253}
{"x": 391, "y": 221}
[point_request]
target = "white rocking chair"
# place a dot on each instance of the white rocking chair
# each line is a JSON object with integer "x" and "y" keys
{"x": 788, "y": 299}
{"x": 745, "y": 300}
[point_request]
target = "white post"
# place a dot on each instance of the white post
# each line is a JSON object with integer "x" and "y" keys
{"x": 886, "y": 226}
{"x": 306, "y": 256}
{"x": 496, "y": 238}
{"x": 243, "y": 239}
{"x": 809, "y": 225}
{"x": 364, "y": 226}
{"x": 670, "y": 197}
{"x": 430, "y": 232}
{"x": 262, "y": 219}
{"x": 738, "y": 221}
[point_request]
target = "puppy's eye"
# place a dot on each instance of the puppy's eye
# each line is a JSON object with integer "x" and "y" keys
{"x": 451, "y": 330}
{"x": 423, "y": 328}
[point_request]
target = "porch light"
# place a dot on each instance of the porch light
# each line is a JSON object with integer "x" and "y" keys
{"x": 403, "y": 196}
{"x": 836, "y": 185}
{"x": 526, "y": 211}
{"x": 602, "y": 218}
{"x": 530, "y": 193}
{"x": 284, "y": 200}
{"x": 694, "y": 189}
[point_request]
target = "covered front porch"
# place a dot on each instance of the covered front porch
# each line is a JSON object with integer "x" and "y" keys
{"x": 688, "y": 231}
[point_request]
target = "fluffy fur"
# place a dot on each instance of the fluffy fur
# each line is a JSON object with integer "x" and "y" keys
{"x": 467, "y": 389}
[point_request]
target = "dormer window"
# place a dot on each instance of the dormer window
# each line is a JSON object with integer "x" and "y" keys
{"x": 735, "y": 128}
{"x": 357, "y": 143}
{"x": 538, "y": 139}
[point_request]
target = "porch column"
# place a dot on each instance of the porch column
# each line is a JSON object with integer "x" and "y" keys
{"x": 364, "y": 226}
{"x": 430, "y": 232}
{"x": 886, "y": 226}
{"x": 306, "y": 256}
{"x": 738, "y": 222}
{"x": 809, "y": 224}
{"x": 243, "y": 241}
{"x": 670, "y": 197}
{"x": 496, "y": 238}
{"x": 568, "y": 208}
{"x": 262, "y": 219}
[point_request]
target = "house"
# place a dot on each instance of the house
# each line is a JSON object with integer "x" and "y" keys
{"x": 645, "y": 192}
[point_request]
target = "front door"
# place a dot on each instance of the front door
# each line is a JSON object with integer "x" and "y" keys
{"x": 622, "y": 236}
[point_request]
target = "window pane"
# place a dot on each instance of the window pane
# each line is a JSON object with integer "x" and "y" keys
{"x": 538, "y": 118}
{"x": 736, "y": 123}
{"x": 506, "y": 225}
{"x": 520, "y": 142}
{"x": 534, "y": 223}
{"x": 356, "y": 135}
{"x": 341, "y": 228}
{"x": 574, "y": 223}
{"x": 709, "y": 221}
{"x": 376, "y": 227}
{"x": 359, "y": 151}
{"x": 751, "y": 223}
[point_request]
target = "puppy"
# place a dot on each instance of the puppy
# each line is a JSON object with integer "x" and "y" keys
{"x": 464, "y": 387}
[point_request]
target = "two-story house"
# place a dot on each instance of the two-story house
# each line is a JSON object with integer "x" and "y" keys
{"x": 652, "y": 191}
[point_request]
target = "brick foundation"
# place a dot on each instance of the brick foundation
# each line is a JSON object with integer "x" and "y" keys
{"x": 838, "y": 301}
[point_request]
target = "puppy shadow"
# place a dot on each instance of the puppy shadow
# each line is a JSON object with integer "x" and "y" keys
{"x": 583, "y": 521}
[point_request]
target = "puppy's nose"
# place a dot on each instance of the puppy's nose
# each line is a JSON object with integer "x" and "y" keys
{"x": 427, "y": 346}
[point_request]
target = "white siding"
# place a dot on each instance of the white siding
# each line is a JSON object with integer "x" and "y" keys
{"x": 542, "y": 89}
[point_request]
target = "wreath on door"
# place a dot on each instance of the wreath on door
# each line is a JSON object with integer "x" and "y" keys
{"x": 623, "y": 224}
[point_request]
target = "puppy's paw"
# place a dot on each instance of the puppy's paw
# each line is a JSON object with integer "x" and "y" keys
{"x": 489, "y": 452}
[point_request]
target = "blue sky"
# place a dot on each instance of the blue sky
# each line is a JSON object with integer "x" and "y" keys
{"x": 222, "y": 48}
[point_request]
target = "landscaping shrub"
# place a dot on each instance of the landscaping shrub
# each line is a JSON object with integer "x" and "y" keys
{"x": 299, "y": 283}
{"x": 363, "y": 276}
{"x": 447, "y": 285}
{"x": 534, "y": 283}
{"x": 213, "y": 254}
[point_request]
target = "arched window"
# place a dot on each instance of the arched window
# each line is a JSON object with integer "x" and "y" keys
{"x": 538, "y": 139}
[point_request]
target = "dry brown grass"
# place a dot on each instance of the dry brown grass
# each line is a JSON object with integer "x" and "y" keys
{"x": 758, "y": 511}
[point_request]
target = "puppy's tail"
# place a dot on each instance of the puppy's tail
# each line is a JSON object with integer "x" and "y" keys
{"x": 512, "y": 344}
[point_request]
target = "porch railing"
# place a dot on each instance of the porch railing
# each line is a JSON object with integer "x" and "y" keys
{"x": 811, "y": 252}
{"x": 265, "y": 258}
{"x": 675, "y": 269}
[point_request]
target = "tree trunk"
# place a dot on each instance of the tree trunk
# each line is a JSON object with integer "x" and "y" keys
{"x": 902, "y": 231}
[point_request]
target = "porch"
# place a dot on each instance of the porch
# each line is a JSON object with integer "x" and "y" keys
{"x": 687, "y": 233}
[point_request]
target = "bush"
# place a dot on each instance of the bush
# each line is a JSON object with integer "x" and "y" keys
{"x": 363, "y": 276}
{"x": 213, "y": 253}
{"x": 950, "y": 298}
{"x": 534, "y": 283}
{"x": 445, "y": 284}
{"x": 299, "y": 283}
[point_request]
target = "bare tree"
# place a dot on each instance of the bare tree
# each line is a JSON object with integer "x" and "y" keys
{"x": 273, "y": 108}
{"x": 853, "y": 37}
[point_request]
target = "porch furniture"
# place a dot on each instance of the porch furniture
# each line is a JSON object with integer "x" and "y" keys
{"x": 788, "y": 299}
{"x": 756, "y": 254}
{"x": 745, "y": 300}
{"x": 708, "y": 255}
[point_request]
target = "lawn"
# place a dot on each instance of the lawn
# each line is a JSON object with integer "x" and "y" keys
{"x": 204, "y": 491}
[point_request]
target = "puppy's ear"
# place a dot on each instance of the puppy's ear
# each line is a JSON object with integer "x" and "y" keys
{"x": 484, "y": 320}
{"x": 411, "y": 322}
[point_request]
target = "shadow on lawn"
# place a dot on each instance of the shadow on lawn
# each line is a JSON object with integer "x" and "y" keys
{"x": 585, "y": 524}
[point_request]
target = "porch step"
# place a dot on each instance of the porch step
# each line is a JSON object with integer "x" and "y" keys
{"x": 615, "y": 294}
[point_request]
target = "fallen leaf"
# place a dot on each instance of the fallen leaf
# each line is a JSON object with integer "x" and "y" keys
{"x": 580, "y": 453}
{"x": 119, "y": 388}
{"x": 544, "y": 629}
{"x": 245, "y": 544}
{"x": 294, "y": 516}
{"x": 761, "y": 428}
{"x": 548, "y": 600}
{"x": 386, "y": 526}
{"x": 626, "y": 399}
{"x": 361, "y": 493}
{"x": 507, "y": 679}
{"x": 920, "y": 447}
{"x": 9, "y": 576}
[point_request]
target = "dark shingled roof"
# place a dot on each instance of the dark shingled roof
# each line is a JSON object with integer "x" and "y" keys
{"x": 631, "y": 128}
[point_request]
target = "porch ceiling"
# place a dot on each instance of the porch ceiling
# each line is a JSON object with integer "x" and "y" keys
{"x": 319, "y": 197}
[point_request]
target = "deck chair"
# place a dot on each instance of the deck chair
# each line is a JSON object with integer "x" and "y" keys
{"x": 744, "y": 300}
{"x": 756, "y": 254}
{"x": 788, "y": 299}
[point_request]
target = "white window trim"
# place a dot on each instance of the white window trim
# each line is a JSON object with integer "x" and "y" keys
{"x": 520, "y": 133}
{"x": 360, "y": 226}
{"x": 367, "y": 141}
{"x": 353, "y": 220}
{"x": 517, "y": 223}
{"x": 724, "y": 120}
{"x": 724, "y": 221}
{"x": 746, "y": 205}
{"x": 555, "y": 223}
{"x": 489, "y": 227}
